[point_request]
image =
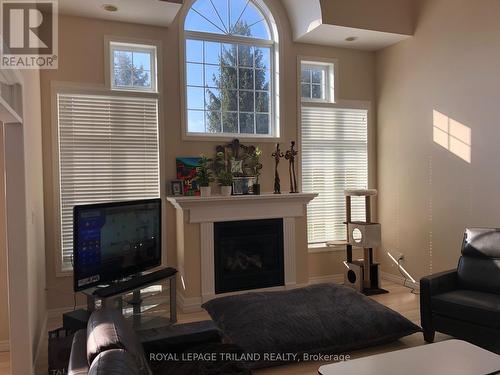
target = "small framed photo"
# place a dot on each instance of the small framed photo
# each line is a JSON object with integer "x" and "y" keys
{"x": 242, "y": 185}
{"x": 176, "y": 187}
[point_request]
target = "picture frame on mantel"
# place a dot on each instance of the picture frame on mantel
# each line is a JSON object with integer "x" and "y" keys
{"x": 176, "y": 188}
{"x": 242, "y": 185}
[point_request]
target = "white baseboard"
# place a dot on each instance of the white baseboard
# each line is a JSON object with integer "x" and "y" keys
{"x": 188, "y": 304}
{"x": 337, "y": 278}
{"x": 193, "y": 304}
{"x": 398, "y": 279}
{"x": 4, "y": 346}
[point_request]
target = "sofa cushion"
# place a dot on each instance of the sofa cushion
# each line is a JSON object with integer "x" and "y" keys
{"x": 107, "y": 329}
{"x": 481, "y": 274}
{"x": 469, "y": 305}
{"x": 323, "y": 318}
{"x": 114, "y": 362}
{"x": 481, "y": 242}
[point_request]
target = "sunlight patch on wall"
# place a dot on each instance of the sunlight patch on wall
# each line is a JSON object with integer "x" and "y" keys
{"x": 452, "y": 135}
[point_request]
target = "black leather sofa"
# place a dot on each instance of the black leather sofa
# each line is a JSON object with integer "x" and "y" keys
{"x": 107, "y": 346}
{"x": 465, "y": 302}
{"x": 110, "y": 346}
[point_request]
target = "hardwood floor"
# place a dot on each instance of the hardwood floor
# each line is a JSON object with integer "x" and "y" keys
{"x": 5, "y": 363}
{"x": 399, "y": 299}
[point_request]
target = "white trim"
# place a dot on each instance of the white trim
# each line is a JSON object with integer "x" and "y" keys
{"x": 207, "y": 259}
{"x": 188, "y": 304}
{"x": 333, "y": 85}
{"x": 208, "y": 210}
{"x": 276, "y": 82}
{"x": 322, "y": 248}
{"x": 193, "y": 304}
{"x": 328, "y": 85}
{"x": 400, "y": 280}
{"x": 148, "y": 45}
{"x": 242, "y": 207}
{"x": 4, "y": 346}
{"x": 335, "y": 278}
{"x": 129, "y": 47}
{"x": 17, "y": 255}
{"x": 290, "y": 252}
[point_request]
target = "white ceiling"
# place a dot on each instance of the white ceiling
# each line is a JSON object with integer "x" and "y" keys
{"x": 147, "y": 12}
{"x": 306, "y": 22}
{"x": 369, "y": 40}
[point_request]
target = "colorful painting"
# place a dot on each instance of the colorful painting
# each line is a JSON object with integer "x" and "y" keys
{"x": 186, "y": 172}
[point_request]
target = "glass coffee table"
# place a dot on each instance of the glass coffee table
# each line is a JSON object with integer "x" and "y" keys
{"x": 446, "y": 357}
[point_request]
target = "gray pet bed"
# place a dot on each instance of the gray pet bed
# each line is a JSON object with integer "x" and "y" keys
{"x": 325, "y": 318}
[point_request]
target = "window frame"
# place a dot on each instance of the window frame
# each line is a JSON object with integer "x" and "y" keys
{"x": 330, "y": 67}
{"x": 335, "y": 102}
{"x": 273, "y": 44}
{"x": 113, "y": 44}
{"x": 58, "y": 87}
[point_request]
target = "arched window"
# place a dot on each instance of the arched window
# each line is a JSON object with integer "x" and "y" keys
{"x": 230, "y": 69}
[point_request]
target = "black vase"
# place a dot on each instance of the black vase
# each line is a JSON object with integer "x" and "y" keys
{"x": 256, "y": 189}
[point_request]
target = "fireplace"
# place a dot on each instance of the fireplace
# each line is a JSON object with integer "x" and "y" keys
{"x": 248, "y": 255}
{"x": 196, "y": 259}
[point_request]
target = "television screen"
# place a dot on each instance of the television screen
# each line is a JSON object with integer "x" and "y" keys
{"x": 115, "y": 240}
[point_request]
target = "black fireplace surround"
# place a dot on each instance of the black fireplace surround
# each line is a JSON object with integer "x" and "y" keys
{"x": 248, "y": 255}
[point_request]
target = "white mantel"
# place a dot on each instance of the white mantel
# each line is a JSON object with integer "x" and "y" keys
{"x": 242, "y": 207}
{"x": 208, "y": 210}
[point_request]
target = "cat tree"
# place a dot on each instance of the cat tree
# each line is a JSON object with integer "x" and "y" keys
{"x": 362, "y": 274}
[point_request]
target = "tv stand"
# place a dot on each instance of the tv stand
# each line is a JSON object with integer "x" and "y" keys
{"x": 112, "y": 295}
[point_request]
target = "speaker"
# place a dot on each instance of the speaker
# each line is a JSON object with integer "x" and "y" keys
{"x": 353, "y": 276}
{"x": 76, "y": 320}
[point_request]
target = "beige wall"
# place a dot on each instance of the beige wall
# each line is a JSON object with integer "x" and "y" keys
{"x": 4, "y": 307}
{"x": 393, "y": 16}
{"x": 81, "y": 60}
{"x": 428, "y": 195}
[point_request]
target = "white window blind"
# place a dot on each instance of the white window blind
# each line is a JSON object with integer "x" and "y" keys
{"x": 334, "y": 158}
{"x": 108, "y": 151}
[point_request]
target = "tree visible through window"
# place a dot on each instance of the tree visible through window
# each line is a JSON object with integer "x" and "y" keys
{"x": 228, "y": 73}
{"x": 133, "y": 67}
{"x": 129, "y": 74}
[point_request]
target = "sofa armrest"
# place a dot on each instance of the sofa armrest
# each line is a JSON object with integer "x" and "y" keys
{"x": 78, "y": 364}
{"x": 429, "y": 286}
{"x": 440, "y": 282}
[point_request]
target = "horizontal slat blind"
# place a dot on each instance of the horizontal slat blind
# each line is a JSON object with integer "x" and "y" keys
{"x": 334, "y": 158}
{"x": 108, "y": 151}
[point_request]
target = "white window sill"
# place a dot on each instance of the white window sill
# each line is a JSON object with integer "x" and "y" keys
{"x": 324, "y": 248}
{"x": 225, "y": 137}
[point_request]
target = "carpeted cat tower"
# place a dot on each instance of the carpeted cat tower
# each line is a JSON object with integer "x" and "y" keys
{"x": 362, "y": 274}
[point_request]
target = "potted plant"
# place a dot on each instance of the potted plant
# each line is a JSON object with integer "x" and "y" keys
{"x": 256, "y": 166}
{"x": 225, "y": 179}
{"x": 204, "y": 176}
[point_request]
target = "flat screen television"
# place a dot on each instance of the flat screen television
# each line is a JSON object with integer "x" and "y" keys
{"x": 115, "y": 240}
